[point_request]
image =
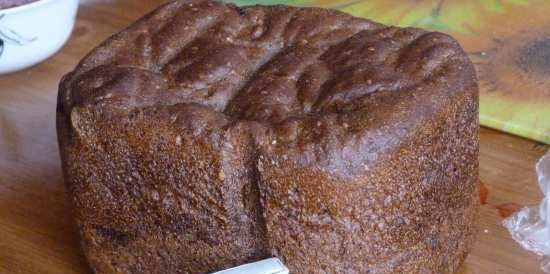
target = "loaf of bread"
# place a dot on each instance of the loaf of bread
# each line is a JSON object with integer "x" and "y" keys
{"x": 208, "y": 135}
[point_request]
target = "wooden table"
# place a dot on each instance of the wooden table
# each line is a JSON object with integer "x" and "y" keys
{"x": 36, "y": 230}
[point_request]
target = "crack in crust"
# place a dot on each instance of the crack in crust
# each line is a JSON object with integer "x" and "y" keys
{"x": 256, "y": 63}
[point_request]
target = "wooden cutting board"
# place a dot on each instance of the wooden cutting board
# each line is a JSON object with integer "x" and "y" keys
{"x": 36, "y": 228}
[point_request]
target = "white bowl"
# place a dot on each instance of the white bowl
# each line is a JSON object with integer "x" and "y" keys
{"x": 33, "y": 32}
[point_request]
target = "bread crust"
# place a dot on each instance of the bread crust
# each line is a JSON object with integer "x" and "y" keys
{"x": 208, "y": 135}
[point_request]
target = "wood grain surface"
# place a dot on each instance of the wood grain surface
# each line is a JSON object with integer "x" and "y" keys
{"x": 37, "y": 235}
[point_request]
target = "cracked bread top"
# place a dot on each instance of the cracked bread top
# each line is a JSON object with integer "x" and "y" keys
{"x": 321, "y": 83}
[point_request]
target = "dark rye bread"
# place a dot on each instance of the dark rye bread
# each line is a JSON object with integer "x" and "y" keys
{"x": 207, "y": 135}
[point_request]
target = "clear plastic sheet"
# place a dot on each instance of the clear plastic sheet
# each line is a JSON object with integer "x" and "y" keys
{"x": 530, "y": 226}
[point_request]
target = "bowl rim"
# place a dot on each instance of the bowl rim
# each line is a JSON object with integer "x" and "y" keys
{"x": 23, "y": 7}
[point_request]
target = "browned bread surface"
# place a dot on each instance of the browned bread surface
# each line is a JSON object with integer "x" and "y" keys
{"x": 208, "y": 135}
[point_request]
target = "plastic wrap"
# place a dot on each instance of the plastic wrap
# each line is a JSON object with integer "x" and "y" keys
{"x": 530, "y": 226}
